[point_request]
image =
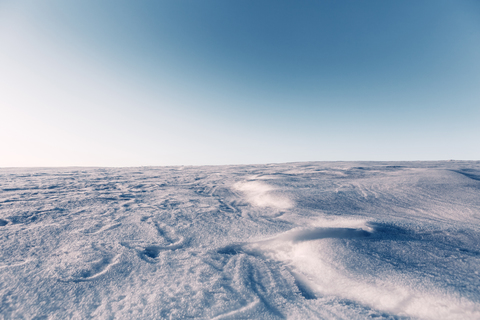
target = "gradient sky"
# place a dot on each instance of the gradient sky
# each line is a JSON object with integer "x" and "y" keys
{"x": 131, "y": 83}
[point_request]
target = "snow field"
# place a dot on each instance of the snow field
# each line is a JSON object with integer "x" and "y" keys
{"x": 299, "y": 240}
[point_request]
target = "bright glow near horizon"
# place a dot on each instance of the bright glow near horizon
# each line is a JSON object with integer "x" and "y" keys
{"x": 103, "y": 83}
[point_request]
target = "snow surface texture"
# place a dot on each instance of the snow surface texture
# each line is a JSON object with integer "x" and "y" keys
{"x": 301, "y": 240}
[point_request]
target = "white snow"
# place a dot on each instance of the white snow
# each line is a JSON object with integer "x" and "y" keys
{"x": 260, "y": 194}
{"x": 319, "y": 240}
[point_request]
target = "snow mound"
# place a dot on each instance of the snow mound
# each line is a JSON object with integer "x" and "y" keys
{"x": 261, "y": 195}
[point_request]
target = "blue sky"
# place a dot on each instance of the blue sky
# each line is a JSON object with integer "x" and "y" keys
{"x": 131, "y": 83}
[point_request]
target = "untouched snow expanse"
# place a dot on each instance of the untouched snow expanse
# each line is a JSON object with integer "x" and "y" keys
{"x": 338, "y": 240}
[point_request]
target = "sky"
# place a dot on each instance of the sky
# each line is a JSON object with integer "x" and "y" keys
{"x": 145, "y": 83}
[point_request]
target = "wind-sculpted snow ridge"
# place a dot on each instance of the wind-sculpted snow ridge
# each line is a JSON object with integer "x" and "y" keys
{"x": 386, "y": 240}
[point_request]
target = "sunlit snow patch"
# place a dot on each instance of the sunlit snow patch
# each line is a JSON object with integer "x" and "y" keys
{"x": 260, "y": 194}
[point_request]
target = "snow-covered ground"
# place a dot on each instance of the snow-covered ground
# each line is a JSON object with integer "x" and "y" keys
{"x": 300, "y": 240}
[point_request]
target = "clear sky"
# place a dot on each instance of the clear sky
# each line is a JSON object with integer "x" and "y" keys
{"x": 131, "y": 83}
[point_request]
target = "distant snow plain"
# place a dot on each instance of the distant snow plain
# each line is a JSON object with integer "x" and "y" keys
{"x": 317, "y": 240}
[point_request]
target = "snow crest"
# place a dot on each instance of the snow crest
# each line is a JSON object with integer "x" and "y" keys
{"x": 261, "y": 194}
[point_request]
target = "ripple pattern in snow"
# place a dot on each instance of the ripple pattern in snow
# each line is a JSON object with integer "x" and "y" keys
{"x": 300, "y": 240}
